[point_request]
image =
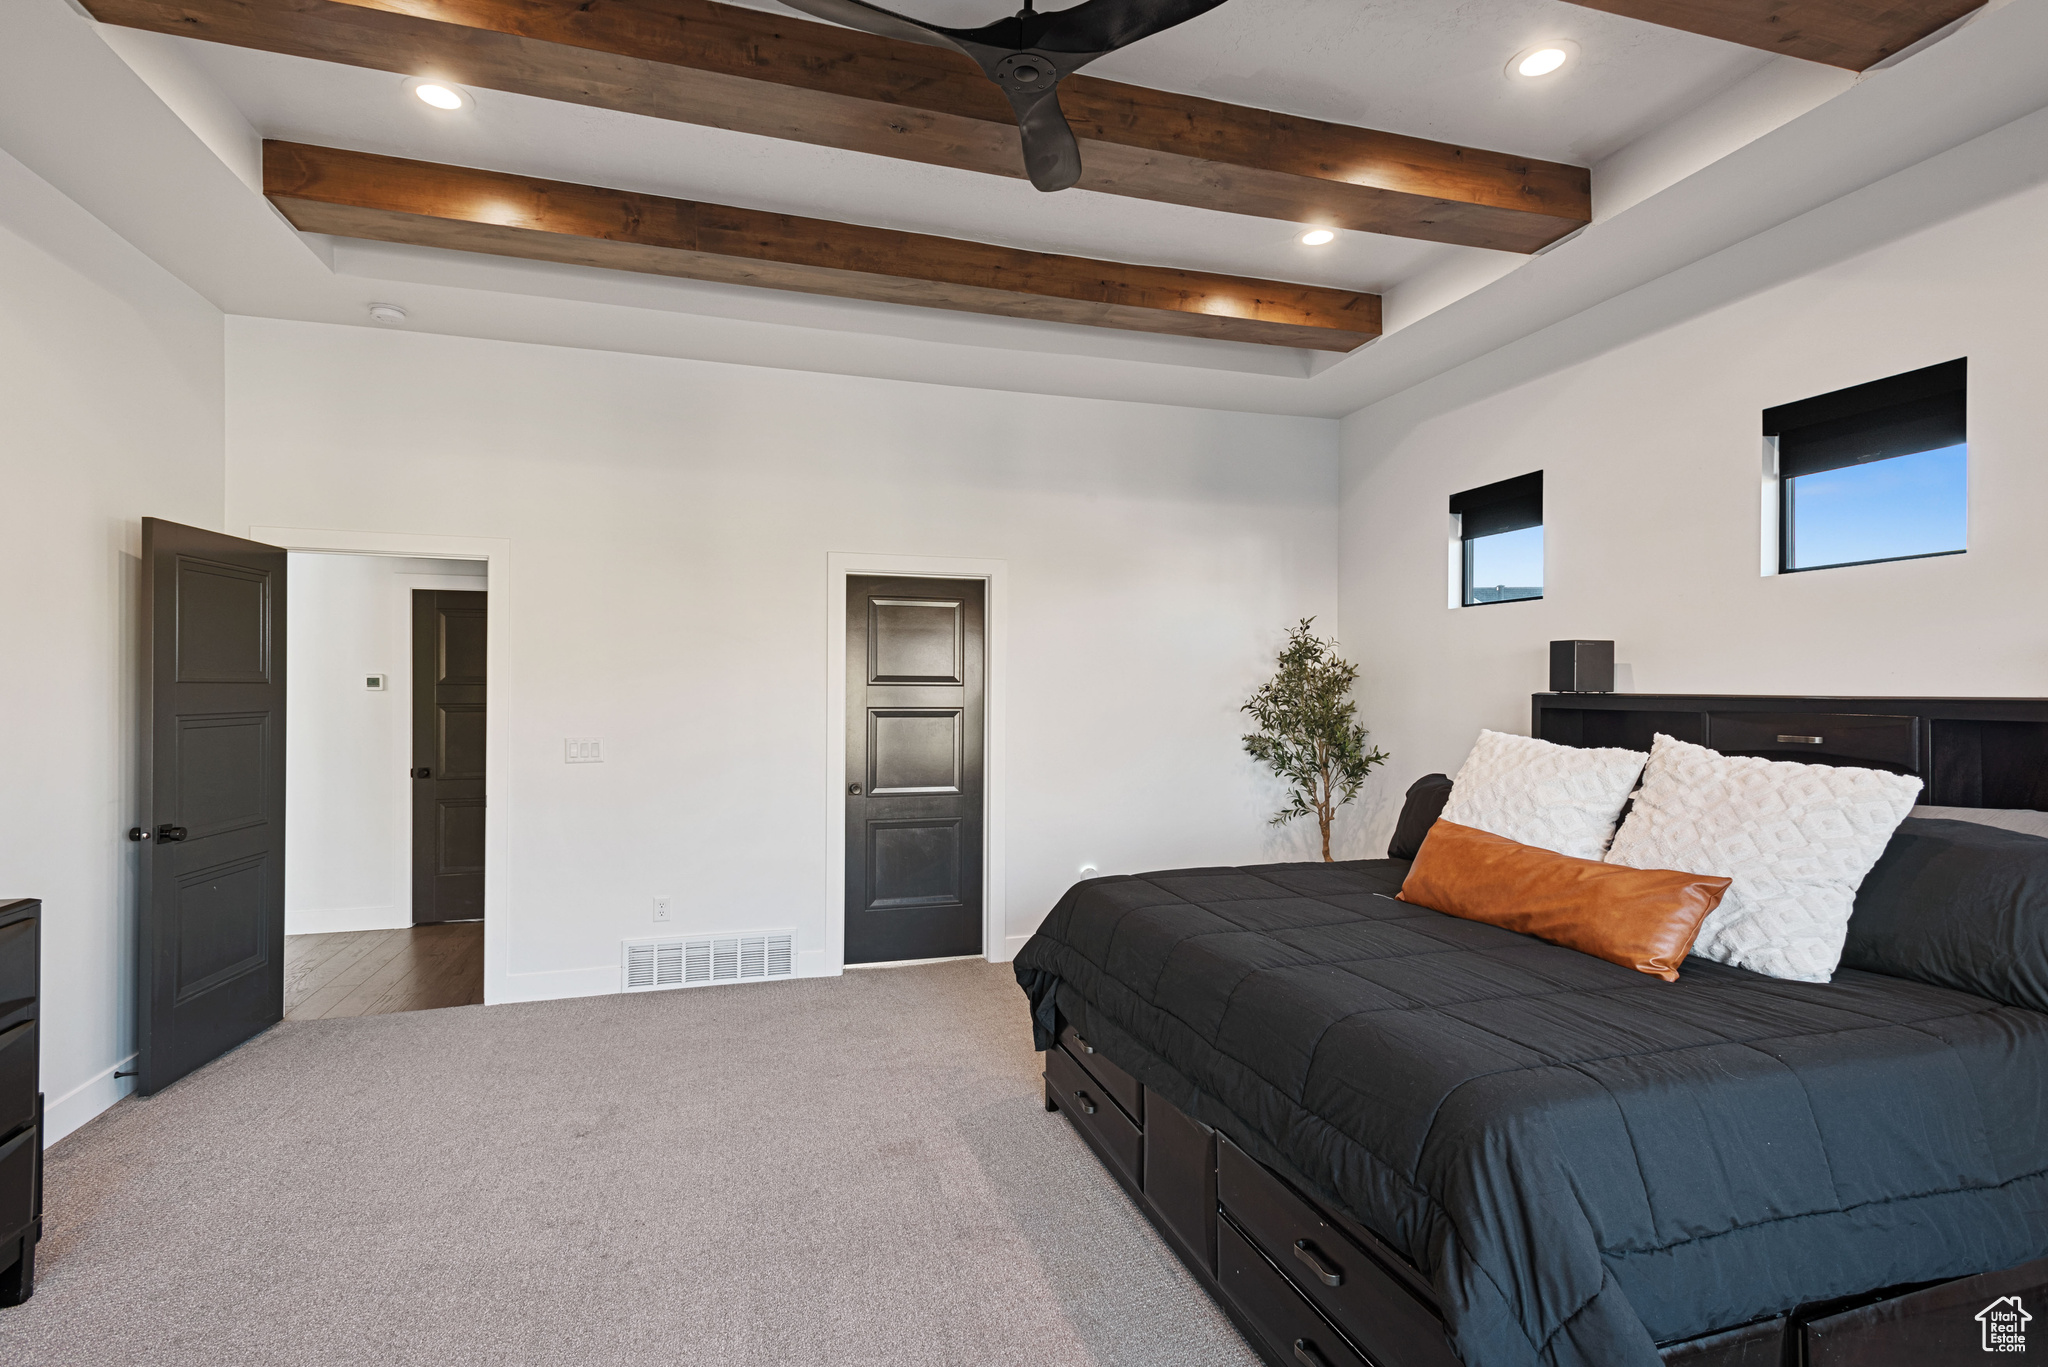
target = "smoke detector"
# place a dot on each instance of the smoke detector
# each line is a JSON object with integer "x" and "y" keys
{"x": 388, "y": 314}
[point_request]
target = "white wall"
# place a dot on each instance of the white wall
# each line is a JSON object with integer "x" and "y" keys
{"x": 111, "y": 409}
{"x": 670, "y": 523}
{"x": 348, "y": 748}
{"x": 1652, "y": 466}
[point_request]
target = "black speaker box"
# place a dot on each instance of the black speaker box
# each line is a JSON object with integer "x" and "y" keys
{"x": 1582, "y": 666}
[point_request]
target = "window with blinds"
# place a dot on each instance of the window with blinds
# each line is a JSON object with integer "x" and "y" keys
{"x": 1501, "y": 528}
{"x": 1873, "y": 473}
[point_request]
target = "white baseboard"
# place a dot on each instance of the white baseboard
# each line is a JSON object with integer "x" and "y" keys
{"x": 816, "y": 963}
{"x": 335, "y": 920}
{"x": 552, "y": 984}
{"x": 1010, "y": 947}
{"x": 63, "y": 1114}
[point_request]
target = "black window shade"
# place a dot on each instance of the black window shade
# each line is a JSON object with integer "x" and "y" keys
{"x": 1922, "y": 410}
{"x": 1508, "y": 506}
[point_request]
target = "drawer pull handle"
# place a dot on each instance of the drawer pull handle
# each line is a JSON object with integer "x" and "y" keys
{"x": 1802, "y": 740}
{"x": 1312, "y": 1258}
{"x": 1086, "y": 1047}
{"x": 1305, "y": 1353}
{"x": 1087, "y": 1102}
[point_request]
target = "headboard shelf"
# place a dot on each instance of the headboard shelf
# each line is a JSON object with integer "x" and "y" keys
{"x": 1970, "y": 752}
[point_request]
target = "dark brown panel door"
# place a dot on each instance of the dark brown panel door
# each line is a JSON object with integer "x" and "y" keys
{"x": 914, "y": 685}
{"x": 450, "y": 630}
{"x": 210, "y": 956}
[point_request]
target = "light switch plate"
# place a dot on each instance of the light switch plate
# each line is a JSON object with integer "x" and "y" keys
{"x": 582, "y": 750}
{"x": 662, "y": 907}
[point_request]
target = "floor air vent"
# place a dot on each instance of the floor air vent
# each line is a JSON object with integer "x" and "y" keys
{"x": 698, "y": 960}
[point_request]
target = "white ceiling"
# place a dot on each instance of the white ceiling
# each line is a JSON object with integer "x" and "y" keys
{"x": 370, "y": 111}
{"x": 1427, "y": 68}
{"x": 1410, "y": 66}
{"x": 1696, "y": 145}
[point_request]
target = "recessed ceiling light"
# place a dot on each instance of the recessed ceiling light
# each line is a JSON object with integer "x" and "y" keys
{"x": 1541, "y": 60}
{"x": 1318, "y": 237}
{"x": 389, "y": 314}
{"x": 440, "y": 94}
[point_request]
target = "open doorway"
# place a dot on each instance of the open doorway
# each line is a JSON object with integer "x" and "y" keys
{"x": 384, "y": 825}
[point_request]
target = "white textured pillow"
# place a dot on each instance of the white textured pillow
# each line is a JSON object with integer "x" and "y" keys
{"x": 1796, "y": 838}
{"x": 1556, "y": 797}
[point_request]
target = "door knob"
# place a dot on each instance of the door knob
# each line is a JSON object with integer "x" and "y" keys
{"x": 423, "y": 773}
{"x": 853, "y": 788}
{"x": 137, "y": 833}
{"x": 169, "y": 835}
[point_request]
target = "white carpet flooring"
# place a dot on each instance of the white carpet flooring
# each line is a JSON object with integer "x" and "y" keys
{"x": 850, "y": 1170}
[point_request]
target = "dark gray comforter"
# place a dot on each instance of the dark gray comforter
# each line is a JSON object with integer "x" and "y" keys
{"x": 1585, "y": 1161}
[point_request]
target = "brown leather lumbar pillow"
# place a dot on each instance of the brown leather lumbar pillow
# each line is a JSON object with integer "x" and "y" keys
{"x": 1643, "y": 919}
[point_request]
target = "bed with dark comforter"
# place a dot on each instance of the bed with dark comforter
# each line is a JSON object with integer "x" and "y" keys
{"x": 1584, "y": 1160}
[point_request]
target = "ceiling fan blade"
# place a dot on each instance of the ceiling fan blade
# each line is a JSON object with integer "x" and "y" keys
{"x": 1099, "y": 26}
{"x": 1051, "y": 156}
{"x": 876, "y": 20}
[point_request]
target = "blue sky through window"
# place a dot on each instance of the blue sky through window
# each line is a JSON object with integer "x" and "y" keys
{"x": 1901, "y": 506}
{"x": 1504, "y": 566}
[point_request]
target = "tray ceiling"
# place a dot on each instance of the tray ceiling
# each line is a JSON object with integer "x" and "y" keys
{"x": 1640, "y": 108}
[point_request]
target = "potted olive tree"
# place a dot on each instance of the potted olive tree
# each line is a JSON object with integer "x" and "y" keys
{"x": 1308, "y": 732}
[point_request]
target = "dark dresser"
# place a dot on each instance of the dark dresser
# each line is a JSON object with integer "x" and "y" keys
{"x": 21, "y": 1102}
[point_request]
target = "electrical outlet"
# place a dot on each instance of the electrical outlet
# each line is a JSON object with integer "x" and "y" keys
{"x": 582, "y": 750}
{"x": 661, "y": 908}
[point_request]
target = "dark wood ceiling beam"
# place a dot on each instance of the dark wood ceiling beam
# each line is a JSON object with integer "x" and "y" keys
{"x": 698, "y": 61}
{"x": 1853, "y": 34}
{"x": 388, "y": 199}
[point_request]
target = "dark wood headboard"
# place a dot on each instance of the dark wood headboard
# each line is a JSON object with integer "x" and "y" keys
{"x": 1970, "y": 752}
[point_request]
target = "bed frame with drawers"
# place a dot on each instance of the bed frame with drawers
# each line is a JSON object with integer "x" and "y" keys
{"x": 1309, "y": 1287}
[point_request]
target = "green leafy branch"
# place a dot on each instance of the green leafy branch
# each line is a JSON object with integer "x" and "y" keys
{"x": 1308, "y": 732}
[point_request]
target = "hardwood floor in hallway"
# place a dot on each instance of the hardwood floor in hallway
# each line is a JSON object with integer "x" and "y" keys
{"x": 370, "y": 972}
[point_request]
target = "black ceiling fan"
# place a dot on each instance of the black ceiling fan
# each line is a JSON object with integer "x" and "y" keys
{"x": 1028, "y": 55}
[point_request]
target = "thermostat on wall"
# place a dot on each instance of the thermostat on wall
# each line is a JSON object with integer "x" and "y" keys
{"x": 374, "y": 682}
